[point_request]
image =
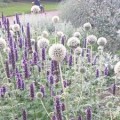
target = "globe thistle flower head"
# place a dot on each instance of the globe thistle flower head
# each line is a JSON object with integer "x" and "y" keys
{"x": 73, "y": 42}
{"x": 16, "y": 27}
{"x": 35, "y": 9}
{"x": 77, "y": 34}
{"x": 60, "y": 33}
{"x": 91, "y": 39}
{"x": 78, "y": 51}
{"x": 2, "y": 43}
{"x": 45, "y": 34}
{"x": 82, "y": 70}
{"x": 39, "y": 95}
{"x": 102, "y": 41}
{"x": 55, "y": 19}
{"x": 87, "y": 26}
{"x": 57, "y": 52}
{"x": 109, "y": 105}
{"x": 43, "y": 43}
{"x": 117, "y": 69}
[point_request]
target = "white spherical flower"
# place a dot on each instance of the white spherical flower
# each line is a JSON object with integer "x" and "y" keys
{"x": 87, "y": 26}
{"x": 55, "y": 19}
{"x": 73, "y": 42}
{"x": 102, "y": 41}
{"x": 77, "y": 34}
{"x": 78, "y": 51}
{"x": 2, "y": 43}
{"x": 39, "y": 95}
{"x": 43, "y": 43}
{"x": 82, "y": 70}
{"x": 35, "y": 9}
{"x": 57, "y": 52}
{"x": 16, "y": 27}
{"x": 91, "y": 39}
{"x": 45, "y": 34}
{"x": 117, "y": 69}
{"x": 60, "y": 33}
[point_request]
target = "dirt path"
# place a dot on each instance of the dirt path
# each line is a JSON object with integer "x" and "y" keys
{"x": 27, "y": 17}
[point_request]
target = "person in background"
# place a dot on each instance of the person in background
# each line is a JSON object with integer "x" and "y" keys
{"x": 38, "y": 3}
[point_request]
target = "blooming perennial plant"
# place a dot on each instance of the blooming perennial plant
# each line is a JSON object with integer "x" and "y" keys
{"x": 51, "y": 76}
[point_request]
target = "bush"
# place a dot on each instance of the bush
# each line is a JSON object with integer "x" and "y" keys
{"x": 102, "y": 14}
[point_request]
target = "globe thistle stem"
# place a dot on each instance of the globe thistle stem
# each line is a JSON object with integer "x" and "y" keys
{"x": 45, "y": 108}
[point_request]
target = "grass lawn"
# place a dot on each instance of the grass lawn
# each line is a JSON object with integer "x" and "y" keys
{"x": 23, "y": 7}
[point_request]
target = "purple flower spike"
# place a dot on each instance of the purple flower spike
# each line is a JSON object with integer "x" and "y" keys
{"x": 80, "y": 118}
{"x": 43, "y": 54}
{"x": 114, "y": 89}
{"x": 106, "y": 72}
{"x": 63, "y": 107}
{"x": 24, "y": 115}
{"x": 88, "y": 114}
{"x": 35, "y": 57}
{"x": 54, "y": 118}
{"x": 42, "y": 90}
{"x": 70, "y": 60}
{"x": 58, "y": 108}
{"x": 51, "y": 80}
{"x": 32, "y": 91}
{"x": 97, "y": 73}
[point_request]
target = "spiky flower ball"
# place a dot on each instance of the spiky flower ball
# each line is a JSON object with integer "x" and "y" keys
{"x": 39, "y": 95}
{"x": 78, "y": 51}
{"x": 57, "y": 52}
{"x": 82, "y": 70}
{"x": 91, "y": 39}
{"x": 60, "y": 33}
{"x": 87, "y": 26}
{"x": 102, "y": 41}
{"x": 43, "y": 43}
{"x": 16, "y": 27}
{"x": 35, "y": 9}
{"x": 55, "y": 19}
{"x": 45, "y": 34}
{"x": 2, "y": 43}
{"x": 77, "y": 34}
{"x": 117, "y": 69}
{"x": 73, "y": 42}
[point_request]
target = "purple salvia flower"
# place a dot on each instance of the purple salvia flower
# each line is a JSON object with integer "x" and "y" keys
{"x": 16, "y": 54}
{"x": 35, "y": 57}
{"x": 63, "y": 40}
{"x": 54, "y": 118}
{"x": 65, "y": 83}
{"x": 114, "y": 89}
{"x": 70, "y": 60}
{"x": 28, "y": 37}
{"x": 7, "y": 69}
{"x": 26, "y": 70}
{"x": 58, "y": 108}
{"x": 32, "y": 91}
{"x": 80, "y": 117}
{"x": 13, "y": 58}
{"x": 63, "y": 107}
{"x": 20, "y": 42}
{"x": 4, "y": 89}
{"x": 19, "y": 83}
{"x": 106, "y": 72}
{"x": 24, "y": 115}
{"x": 88, "y": 114}
{"x": 42, "y": 90}
{"x": 17, "y": 19}
{"x": 43, "y": 54}
{"x": 8, "y": 30}
{"x": 97, "y": 73}
{"x": 51, "y": 80}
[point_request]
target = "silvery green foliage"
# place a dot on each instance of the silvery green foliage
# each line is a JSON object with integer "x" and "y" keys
{"x": 102, "y": 14}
